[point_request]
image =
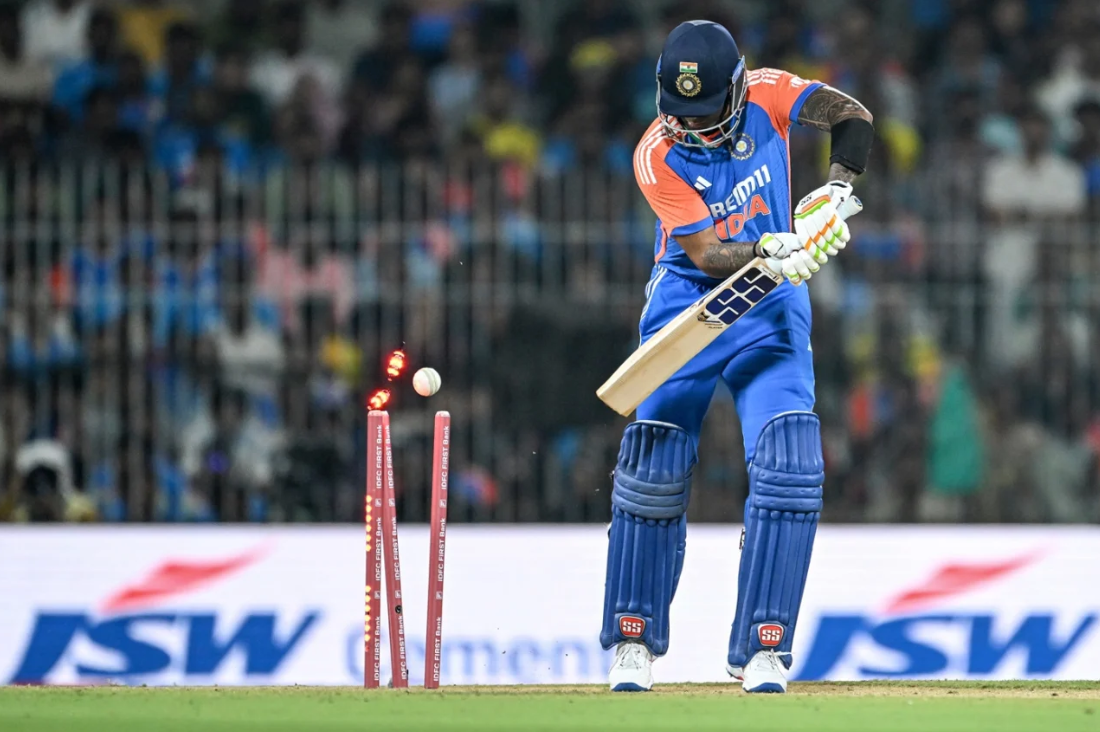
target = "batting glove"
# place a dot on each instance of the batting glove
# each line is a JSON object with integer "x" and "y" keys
{"x": 820, "y": 230}
{"x": 783, "y": 254}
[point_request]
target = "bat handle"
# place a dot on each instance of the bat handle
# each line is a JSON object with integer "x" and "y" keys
{"x": 850, "y": 207}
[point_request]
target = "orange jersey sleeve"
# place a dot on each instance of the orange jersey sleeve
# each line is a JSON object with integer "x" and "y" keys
{"x": 780, "y": 94}
{"x": 680, "y": 208}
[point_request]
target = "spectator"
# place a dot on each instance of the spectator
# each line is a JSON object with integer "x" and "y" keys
{"x": 967, "y": 66}
{"x": 98, "y": 69}
{"x": 41, "y": 343}
{"x": 183, "y": 73}
{"x": 313, "y": 481}
{"x": 250, "y": 353}
{"x": 504, "y": 136}
{"x": 93, "y": 279}
{"x": 244, "y": 116}
{"x": 229, "y": 461}
{"x": 454, "y": 85}
{"x": 276, "y": 72}
{"x": 94, "y": 140}
{"x": 56, "y": 31}
{"x": 135, "y": 105}
{"x": 392, "y": 124}
{"x": 1010, "y": 39}
{"x": 186, "y": 307}
{"x": 1037, "y": 184}
{"x": 22, "y": 78}
{"x": 1071, "y": 84}
{"x": 339, "y": 29}
{"x": 1086, "y": 149}
{"x": 143, "y": 24}
{"x": 241, "y": 23}
{"x": 376, "y": 67}
{"x": 45, "y": 490}
{"x": 288, "y": 275}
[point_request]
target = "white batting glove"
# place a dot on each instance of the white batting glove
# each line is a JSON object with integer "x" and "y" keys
{"x": 820, "y": 230}
{"x": 783, "y": 254}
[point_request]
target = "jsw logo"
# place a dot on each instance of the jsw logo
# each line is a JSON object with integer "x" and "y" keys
{"x": 56, "y": 642}
{"x": 128, "y": 642}
{"x": 905, "y": 643}
{"x": 906, "y": 651}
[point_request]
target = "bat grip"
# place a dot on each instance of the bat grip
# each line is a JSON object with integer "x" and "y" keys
{"x": 850, "y": 207}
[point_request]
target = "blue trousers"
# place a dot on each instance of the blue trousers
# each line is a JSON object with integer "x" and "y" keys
{"x": 764, "y": 359}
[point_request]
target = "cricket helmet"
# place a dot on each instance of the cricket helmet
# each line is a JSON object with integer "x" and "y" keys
{"x": 700, "y": 73}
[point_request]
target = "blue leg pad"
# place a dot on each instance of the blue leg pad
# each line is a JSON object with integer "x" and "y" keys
{"x": 649, "y": 500}
{"x": 781, "y": 514}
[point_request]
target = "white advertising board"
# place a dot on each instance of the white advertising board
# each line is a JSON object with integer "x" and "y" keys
{"x": 284, "y": 605}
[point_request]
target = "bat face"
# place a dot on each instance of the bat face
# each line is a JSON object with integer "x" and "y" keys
{"x": 732, "y": 302}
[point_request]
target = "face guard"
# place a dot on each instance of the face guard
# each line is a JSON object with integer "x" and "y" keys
{"x": 717, "y": 134}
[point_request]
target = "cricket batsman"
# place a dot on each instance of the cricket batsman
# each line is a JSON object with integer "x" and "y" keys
{"x": 715, "y": 168}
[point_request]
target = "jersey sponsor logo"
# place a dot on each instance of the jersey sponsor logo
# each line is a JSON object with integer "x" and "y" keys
{"x": 631, "y": 626}
{"x": 742, "y": 192}
{"x": 701, "y": 183}
{"x": 770, "y": 634}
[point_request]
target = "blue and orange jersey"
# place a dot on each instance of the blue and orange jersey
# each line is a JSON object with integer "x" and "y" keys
{"x": 743, "y": 190}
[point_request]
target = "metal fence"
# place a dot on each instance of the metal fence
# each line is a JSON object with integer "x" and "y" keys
{"x": 200, "y": 347}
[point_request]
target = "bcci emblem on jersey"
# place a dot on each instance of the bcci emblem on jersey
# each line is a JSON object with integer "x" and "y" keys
{"x": 744, "y": 147}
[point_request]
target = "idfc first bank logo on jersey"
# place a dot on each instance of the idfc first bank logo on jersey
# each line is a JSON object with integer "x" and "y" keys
{"x": 914, "y": 637}
{"x": 138, "y": 637}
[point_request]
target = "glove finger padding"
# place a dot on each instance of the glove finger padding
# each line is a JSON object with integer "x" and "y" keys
{"x": 822, "y": 232}
{"x": 800, "y": 266}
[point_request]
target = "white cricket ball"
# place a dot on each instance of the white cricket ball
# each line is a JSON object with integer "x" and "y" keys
{"x": 427, "y": 382}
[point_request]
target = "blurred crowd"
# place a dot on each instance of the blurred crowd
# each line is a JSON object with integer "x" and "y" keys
{"x": 218, "y": 218}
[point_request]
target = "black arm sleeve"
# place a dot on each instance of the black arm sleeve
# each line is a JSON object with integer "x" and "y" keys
{"x": 851, "y": 146}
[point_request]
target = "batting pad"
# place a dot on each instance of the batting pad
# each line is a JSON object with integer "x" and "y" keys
{"x": 781, "y": 516}
{"x": 649, "y": 500}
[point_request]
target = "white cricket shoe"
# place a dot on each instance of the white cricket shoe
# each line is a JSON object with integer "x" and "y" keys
{"x": 632, "y": 669}
{"x": 737, "y": 673}
{"x": 765, "y": 674}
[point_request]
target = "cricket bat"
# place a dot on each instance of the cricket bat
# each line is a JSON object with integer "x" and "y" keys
{"x": 694, "y": 329}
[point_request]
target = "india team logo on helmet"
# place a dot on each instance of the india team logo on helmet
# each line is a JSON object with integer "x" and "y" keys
{"x": 688, "y": 84}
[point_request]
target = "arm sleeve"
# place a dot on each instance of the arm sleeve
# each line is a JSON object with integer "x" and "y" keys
{"x": 680, "y": 208}
{"x": 781, "y": 94}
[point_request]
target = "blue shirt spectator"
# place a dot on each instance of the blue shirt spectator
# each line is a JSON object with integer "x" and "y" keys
{"x": 99, "y": 68}
{"x": 186, "y": 300}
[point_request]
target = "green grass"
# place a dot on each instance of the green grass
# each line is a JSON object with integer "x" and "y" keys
{"x": 877, "y": 707}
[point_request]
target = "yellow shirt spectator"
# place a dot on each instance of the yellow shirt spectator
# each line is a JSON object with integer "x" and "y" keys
{"x": 143, "y": 24}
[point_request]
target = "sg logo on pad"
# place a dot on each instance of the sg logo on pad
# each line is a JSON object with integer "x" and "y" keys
{"x": 631, "y": 626}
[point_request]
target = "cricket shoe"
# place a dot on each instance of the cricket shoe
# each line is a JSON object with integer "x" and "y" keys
{"x": 765, "y": 674}
{"x": 737, "y": 673}
{"x": 633, "y": 667}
